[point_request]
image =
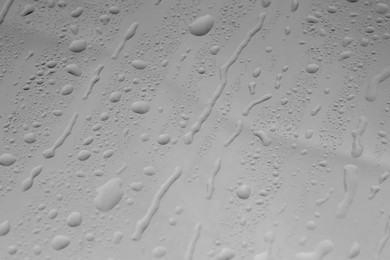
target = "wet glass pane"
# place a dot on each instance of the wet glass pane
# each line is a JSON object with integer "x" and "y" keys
{"x": 172, "y": 129}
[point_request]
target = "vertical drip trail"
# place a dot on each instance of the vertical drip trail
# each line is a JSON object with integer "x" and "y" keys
{"x": 357, "y": 147}
{"x": 94, "y": 80}
{"x": 189, "y": 136}
{"x": 191, "y": 246}
{"x": 50, "y": 152}
{"x": 127, "y": 36}
{"x": 4, "y": 10}
{"x": 235, "y": 134}
{"x": 383, "y": 241}
{"x": 350, "y": 187}
{"x": 372, "y": 89}
{"x": 144, "y": 222}
{"x": 245, "y": 112}
{"x": 210, "y": 182}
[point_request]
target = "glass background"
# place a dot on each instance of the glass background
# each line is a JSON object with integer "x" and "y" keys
{"x": 287, "y": 102}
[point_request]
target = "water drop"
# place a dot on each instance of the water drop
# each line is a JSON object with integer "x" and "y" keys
{"x": 202, "y": 25}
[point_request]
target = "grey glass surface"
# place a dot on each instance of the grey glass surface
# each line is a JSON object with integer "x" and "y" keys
{"x": 193, "y": 130}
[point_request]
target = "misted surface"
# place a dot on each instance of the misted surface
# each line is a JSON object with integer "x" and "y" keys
{"x": 169, "y": 129}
